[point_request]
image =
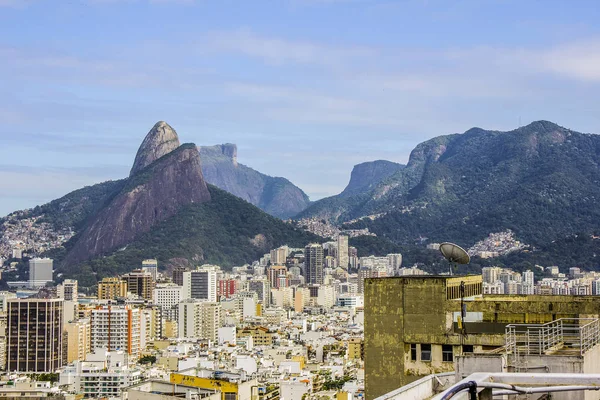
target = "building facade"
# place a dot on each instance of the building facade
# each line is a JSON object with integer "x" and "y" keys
{"x": 34, "y": 335}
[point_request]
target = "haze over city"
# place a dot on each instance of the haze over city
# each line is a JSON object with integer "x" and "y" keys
{"x": 301, "y": 86}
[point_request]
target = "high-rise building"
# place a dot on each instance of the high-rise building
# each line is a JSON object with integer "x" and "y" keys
{"x": 34, "y": 335}
{"x": 78, "y": 338}
{"x": 199, "y": 319}
{"x": 151, "y": 266}
{"x": 313, "y": 263}
{"x": 116, "y": 328}
{"x": 342, "y": 251}
{"x": 275, "y": 272}
{"x": 111, "y": 288}
{"x": 394, "y": 263}
{"x": 262, "y": 289}
{"x": 178, "y": 275}
{"x": 40, "y": 272}
{"x": 139, "y": 283}
{"x": 279, "y": 255}
{"x": 167, "y": 296}
{"x": 491, "y": 274}
{"x": 68, "y": 290}
{"x": 200, "y": 283}
{"x": 226, "y": 288}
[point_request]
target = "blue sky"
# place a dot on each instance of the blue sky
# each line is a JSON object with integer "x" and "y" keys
{"x": 305, "y": 88}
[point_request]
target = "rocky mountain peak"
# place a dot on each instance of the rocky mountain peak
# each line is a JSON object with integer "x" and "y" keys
{"x": 161, "y": 140}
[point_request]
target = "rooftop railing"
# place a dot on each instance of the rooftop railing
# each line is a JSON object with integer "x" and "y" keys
{"x": 575, "y": 334}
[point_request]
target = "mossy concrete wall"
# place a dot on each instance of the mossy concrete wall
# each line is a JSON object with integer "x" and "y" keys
{"x": 404, "y": 310}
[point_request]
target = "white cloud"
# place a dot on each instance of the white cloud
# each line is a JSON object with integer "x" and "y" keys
{"x": 277, "y": 51}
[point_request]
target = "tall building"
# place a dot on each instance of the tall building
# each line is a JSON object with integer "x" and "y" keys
{"x": 111, "y": 288}
{"x": 226, "y": 288}
{"x": 313, "y": 263}
{"x": 117, "y": 328}
{"x": 139, "y": 283}
{"x": 491, "y": 274}
{"x": 34, "y": 335}
{"x": 200, "y": 283}
{"x": 279, "y": 255}
{"x": 342, "y": 251}
{"x": 40, "y": 272}
{"x": 275, "y": 272}
{"x": 68, "y": 290}
{"x": 199, "y": 319}
{"x": 394, "y": 263}
{"x": 178, "y": 275}
{"x": 151, "y": 266}
{"x": 167, "y": 296}
{"x": 78, "y": 338}
{"x": 262, "y": 289}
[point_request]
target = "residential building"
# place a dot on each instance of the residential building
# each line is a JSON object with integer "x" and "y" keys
{"x": 151, "y": 266}
{"x": 178, "y": 275}
{"x": 226, "y": 288}
{"x": 111, "y": 288}
{"x": 34, "y": 335}
{"x": 78, "y": 337}
{"x": 313, "y": 263}
{"x": 140, "y": 283}
{"x": 168, "y": 296}
{"x": 104, "y": 374}
{"x": 342, "y": 251}
{"x": 117, "y": 328}
{"x": 68, "y": 290}
{"x": 356, "y": 348}
{"x": 199, "y": 319}
{"x": 260, "y": 335}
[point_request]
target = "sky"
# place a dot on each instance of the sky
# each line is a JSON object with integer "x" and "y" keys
{"x": 305, "y": 88}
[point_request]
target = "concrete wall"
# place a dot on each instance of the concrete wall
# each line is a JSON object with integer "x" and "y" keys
{"x": 404, "y": 310}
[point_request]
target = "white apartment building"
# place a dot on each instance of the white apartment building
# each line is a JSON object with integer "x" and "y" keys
{"x": 199, "y": 319}
{"x": 103, "y": 375}
{"x": 117, "y": 328}
{"x": 68, "y": 290}
{"x": 201, "y": 283}
{"x": 167, "y": 296}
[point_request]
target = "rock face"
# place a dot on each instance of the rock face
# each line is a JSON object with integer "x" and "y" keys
{"x": 149, "y": 196}
{"x": 541, "y": 181}
{"x": 277, "y": 196}
{"x": 367, "y": 175}
{"x": 161, "y": 140}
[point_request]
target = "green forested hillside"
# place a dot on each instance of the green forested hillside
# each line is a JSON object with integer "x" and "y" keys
{"x": 226, "y": 231}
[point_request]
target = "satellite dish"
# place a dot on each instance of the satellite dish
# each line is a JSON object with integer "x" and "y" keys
{"x": 454, "y": 254}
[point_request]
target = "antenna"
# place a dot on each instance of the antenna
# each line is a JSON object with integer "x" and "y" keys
{"x": 454, "y": 254}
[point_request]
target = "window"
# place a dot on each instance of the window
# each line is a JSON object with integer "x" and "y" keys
{"x": 425, "y": 352}
{"x": 447, "y": 353}
{"x": 467, "y": 348}
{"x": 413, "y": 352}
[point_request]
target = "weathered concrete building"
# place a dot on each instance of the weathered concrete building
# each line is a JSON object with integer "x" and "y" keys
{"x": 414, "y": 326}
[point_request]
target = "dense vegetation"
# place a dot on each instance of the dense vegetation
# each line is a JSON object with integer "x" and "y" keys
{"x": 226, "y": 231}
{"x": 73, "y": 209}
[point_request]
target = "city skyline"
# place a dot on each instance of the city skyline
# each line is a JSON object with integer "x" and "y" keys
{"x": 364, "y": 80}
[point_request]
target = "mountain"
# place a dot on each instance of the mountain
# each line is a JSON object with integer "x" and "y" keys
{"x": 364, "y": 179}
{"x": 277, "y": 196}
{"x": 150, "y": 196}
{"x": 541, "y": 181}
{"x": 368, "y": 175}
{"x": 160, "y": 141}
{"x": 163, "y": 210}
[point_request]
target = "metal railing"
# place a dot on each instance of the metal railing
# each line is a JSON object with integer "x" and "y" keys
{"x": 579, "y": 334}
